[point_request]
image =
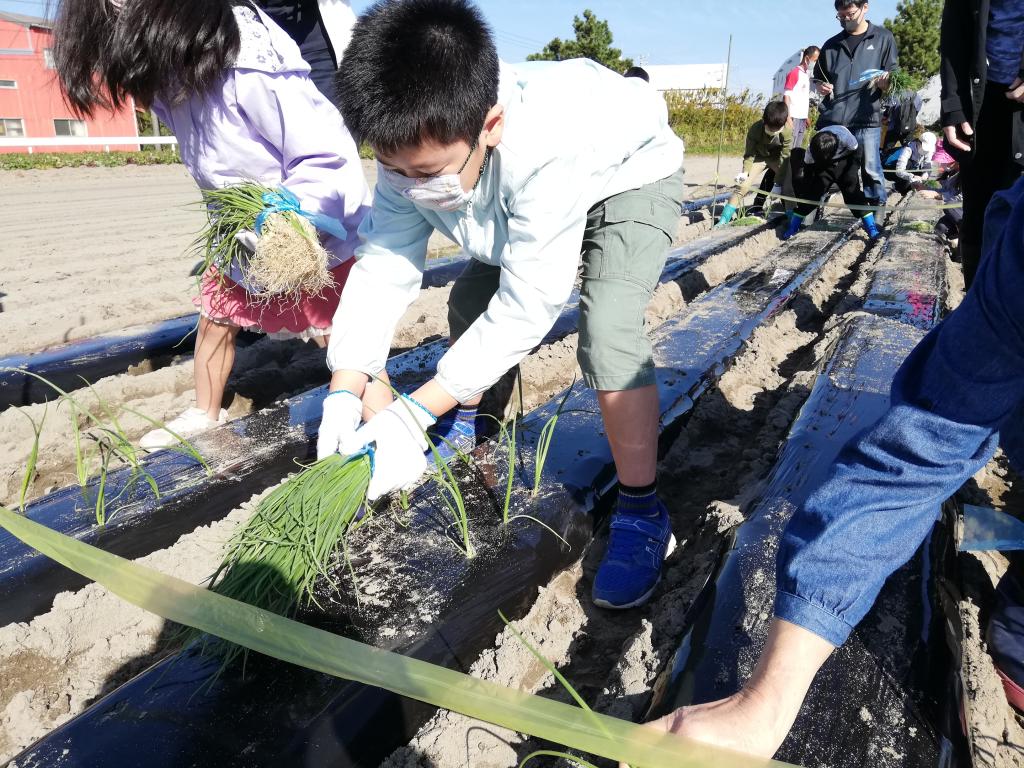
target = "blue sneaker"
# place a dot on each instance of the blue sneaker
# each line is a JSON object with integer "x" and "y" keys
{"x": 453, "y": 434}
{"x": 631, "y": 567}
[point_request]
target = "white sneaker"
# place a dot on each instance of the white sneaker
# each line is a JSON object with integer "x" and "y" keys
{"x": 191, "y": 422}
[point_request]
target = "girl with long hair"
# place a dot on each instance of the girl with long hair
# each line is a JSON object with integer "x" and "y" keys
{"x": 235, "y": 91}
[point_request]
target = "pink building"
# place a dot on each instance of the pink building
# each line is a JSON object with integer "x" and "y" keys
{"x": 31, "y": 102}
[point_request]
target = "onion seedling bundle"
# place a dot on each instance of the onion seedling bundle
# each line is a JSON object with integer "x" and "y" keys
{"x": 289, "y": 260}
{"x": 899, "y": 88}
{"x": 275, "y": 560}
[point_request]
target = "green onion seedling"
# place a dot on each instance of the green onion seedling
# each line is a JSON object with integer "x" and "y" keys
{"x": 33, "y": 457}
{"x": 547, "y": 432}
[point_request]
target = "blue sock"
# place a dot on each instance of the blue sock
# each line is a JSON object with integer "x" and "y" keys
{"x": 641, "y": 501}
{"x": 465, "y": 414}
{"x": 454, "y": 432}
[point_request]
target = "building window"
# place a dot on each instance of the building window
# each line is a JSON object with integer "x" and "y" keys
{"x": 66, "y": 127}
{"x": 12, "y": 126}
{"x": 8, "y": 84}
{"x": 48, "y": 57}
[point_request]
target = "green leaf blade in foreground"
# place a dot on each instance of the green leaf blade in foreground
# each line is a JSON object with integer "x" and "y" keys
{"x": 291, "y": 641}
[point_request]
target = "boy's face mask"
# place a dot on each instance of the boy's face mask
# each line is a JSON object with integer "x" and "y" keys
{"x": 440, "y": 193}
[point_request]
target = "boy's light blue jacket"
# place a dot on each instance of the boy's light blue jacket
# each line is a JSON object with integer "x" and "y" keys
{"x": 575, "y": 133}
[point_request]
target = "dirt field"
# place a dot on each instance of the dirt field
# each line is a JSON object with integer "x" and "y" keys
{"x": 90, "y": 642}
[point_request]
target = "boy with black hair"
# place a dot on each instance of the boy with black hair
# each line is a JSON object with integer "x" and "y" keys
{"x": 834, "y": 157}
{"x": 769, "y": 141}
{"x": 510, "y": 164}
{"x": 638, "y": 72}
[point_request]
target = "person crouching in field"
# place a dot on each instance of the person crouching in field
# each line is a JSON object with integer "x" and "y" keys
{"x": 233, "y": 88}
{"x": 769, "y": 141}
{"x": 910, "y": 166}
{"x": 510, "y": 164}
{"x": 834, "y": 157}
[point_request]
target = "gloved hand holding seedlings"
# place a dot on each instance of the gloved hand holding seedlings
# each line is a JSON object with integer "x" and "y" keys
{"x": 342, "y": 412}
{"x": 397, "y": 436}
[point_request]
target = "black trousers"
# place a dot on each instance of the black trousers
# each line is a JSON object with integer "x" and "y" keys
{"x": 767, "y": 182}
{"x": 813, "y": 181}
{"x": 988, "y": 169}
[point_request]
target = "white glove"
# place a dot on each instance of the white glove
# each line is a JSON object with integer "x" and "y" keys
{"x": 247, "y": 239}
{"x": 342, "y": 413}
{"x": 777, "y": 189}
{"x": 398, "y": 436}
{"x": 741, "y": 177}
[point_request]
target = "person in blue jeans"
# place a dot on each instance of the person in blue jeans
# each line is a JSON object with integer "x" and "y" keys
{"x": 958, "y": 395}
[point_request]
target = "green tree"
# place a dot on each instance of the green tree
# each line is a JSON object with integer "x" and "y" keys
{"x": 916, "y": 29}
{"x": 593, "y": 41}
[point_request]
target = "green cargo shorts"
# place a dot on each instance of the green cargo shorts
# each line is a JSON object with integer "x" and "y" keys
{"x": 623, "y": 252}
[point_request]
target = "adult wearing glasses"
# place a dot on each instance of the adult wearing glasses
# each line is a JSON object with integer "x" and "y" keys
{"x": 860, "y": 47}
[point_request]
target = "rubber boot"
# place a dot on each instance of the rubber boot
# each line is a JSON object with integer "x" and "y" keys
{"x": 870, "y": 226}
{"x": 727, "y": 215}
{"x": 795, "y": 222}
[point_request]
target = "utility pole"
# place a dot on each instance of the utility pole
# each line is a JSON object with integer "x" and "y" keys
{"x": 721, "y": 135}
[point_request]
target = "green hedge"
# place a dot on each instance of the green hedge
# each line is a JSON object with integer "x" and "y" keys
{"x": 22, "y": 161}
{"x": 697, "y": 117}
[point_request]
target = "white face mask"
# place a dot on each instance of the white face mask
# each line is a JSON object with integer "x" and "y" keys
{"x": 439, "y": 193}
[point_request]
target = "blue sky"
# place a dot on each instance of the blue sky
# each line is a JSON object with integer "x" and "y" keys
{"x": 661, "y": 31}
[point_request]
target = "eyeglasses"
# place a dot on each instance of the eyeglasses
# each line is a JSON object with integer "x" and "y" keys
{"x": 848, "y": 16}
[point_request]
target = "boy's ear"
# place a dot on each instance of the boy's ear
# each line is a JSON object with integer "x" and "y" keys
{"x": 494, "y": 125}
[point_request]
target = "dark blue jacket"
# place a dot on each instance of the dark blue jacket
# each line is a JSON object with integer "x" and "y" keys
{"x": 858, "y": 106}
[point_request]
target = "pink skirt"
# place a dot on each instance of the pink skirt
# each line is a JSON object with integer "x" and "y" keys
{"x": 225, "y": 301}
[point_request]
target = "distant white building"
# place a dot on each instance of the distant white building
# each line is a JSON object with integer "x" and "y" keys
{"x": 686, "y": 77}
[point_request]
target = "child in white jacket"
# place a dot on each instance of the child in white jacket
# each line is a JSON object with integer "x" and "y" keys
{"x": 515, "y": 166}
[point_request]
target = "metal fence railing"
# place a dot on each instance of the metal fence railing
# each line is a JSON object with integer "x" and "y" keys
{"x": 34, "y": 142}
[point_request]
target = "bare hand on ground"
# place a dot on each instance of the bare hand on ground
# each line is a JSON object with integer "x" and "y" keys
{"x": 1016, "y": 92}
{"x": 949, "y": 133}
{"x": 743, "y": 722}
